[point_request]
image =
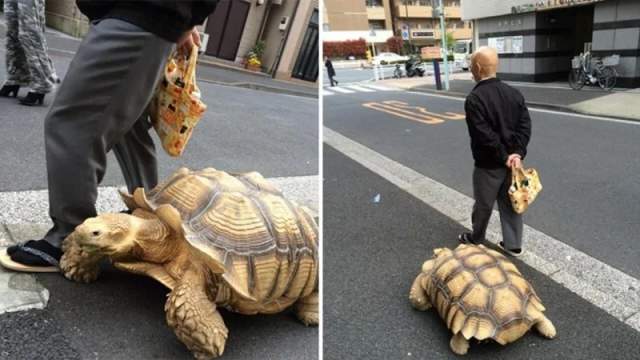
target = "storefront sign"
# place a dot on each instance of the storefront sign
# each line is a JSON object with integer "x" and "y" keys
{"x": 430, "y": 52}
{"x": 549, "y": 4}
{"x": 507, "y": 45}
{"x": 422, "y": 34}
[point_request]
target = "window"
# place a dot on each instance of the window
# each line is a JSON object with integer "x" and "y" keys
{"x": 376, "y": 25}
{"x": 374, "y": 3}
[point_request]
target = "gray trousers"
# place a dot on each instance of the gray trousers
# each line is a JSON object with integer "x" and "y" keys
{"x": 100, "y": 106}
{"x": 490, "y": 185}
{"x": 28, "y": 63}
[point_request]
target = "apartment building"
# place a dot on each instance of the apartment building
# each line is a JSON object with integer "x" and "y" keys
{"x": 358, "y": 19}
{"x": 415, "y": 21}
{"x": 377, "y": 20}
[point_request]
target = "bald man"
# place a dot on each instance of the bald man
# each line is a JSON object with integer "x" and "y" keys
{"x": 500, "y": 128}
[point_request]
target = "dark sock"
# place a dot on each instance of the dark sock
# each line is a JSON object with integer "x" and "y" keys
{"x": 20, "y": 256}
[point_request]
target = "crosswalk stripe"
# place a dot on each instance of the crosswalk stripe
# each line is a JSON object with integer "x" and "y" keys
{"x": 360, "y": 88}
{"x": 342, "y": 90}
{"x": 326, "y": 93}
{"x": 381, "y": 88}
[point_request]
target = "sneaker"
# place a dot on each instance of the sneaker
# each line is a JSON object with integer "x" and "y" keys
{"x": 512, "y": 252}
{"x": 465, "y": 238}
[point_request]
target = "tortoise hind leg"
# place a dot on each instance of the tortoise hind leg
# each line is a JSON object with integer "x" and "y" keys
{"x": 306, "y": 309}
{"x": 194, "y": 318}
{"x": 418, "y": 295}
{"x": 546, "y": 328}
{"x": 459, "y": 344}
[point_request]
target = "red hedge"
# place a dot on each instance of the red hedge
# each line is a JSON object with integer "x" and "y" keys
{"x": 344, "y": 49}
{"x": 394, "y": 44}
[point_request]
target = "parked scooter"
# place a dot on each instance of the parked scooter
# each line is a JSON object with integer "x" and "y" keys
{"x": 414, "y": 67}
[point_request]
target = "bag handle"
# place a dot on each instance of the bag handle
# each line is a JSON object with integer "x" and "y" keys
{"x": 190, "y": 74}
{"x": 516, "y": 174}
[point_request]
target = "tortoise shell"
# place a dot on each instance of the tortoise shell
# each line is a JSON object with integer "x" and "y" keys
{"x": 481, "y": 294}
{"x": 267, "y": 244}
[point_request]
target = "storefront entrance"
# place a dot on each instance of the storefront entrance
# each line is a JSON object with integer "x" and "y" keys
{"x": 225, "y": 27}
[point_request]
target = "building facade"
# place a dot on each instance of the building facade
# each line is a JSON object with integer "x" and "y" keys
{"x": 415, "y": 20}
{"x": 358, "y": 19}
{"x": 537, "y": 39}
{"x": 288, "y": 28}
{"x": 377, "y": 20}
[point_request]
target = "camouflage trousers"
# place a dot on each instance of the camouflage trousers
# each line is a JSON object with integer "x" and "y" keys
{"x": 28, "y": 63}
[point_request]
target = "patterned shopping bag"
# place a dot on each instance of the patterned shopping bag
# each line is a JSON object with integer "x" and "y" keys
{"x": 525, "y": 187}
{"x": 176, "y": 107}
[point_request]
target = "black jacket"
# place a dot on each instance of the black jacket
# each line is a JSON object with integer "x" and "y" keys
{"x": 498, "y": 121}
{"x": 165, "y": 18}
{"x": 330, "y": 70}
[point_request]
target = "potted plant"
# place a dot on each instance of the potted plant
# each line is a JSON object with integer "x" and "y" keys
{"x": 253, "y": 60}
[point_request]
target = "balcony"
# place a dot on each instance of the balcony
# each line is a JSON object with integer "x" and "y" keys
{"x": 423, "y": 11}
{"x": 375, "y": 13}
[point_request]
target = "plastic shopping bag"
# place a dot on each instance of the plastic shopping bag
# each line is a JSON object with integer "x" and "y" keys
{"x": 525, "y": 187}
{"x": 176, "y": 107}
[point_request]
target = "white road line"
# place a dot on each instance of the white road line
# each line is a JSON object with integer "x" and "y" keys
{"x": 379, "y": 87}
{"x": 33, "y": 206}
{"x": 602, "y": 285}
{"x": 326, "y": 93}
{"x": 584, "y": 116}
{"x": 342, "y": 90}
{"x": 360, "y": 88}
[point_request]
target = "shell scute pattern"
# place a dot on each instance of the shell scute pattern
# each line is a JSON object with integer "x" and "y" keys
{"x": 266, "y": 243}
{"x": 479, "y": 293}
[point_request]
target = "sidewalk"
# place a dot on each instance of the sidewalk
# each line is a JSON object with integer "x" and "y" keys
{"x": 555, "y": 96}
{"x": 210, "y": 70}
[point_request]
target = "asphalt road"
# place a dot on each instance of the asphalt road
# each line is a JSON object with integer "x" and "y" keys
{"x": 372, "y": 253}
{"x": 242, "y": 130}
{"x": 591, "y": 196}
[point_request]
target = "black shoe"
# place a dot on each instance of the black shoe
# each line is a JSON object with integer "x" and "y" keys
{"x": 512, "y": 252}
{"x": 32, "y": 98}
{"x": 465, "y": 238}
{"x": 35, "y": 253}
{"x": 10, "y": 90}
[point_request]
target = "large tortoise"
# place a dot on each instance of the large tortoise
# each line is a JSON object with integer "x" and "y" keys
{"x": 480, "y": 294}
{"x": 214, "y": 239}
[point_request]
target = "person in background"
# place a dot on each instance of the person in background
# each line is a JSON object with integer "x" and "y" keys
{"x": 500, "y": 128}
{"x": 331, "y": 72}
{"x": 28, "y": 63}
{"x": 101, "y": 106}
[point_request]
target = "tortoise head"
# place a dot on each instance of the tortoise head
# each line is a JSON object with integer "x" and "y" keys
{"x": 107, "y": 233}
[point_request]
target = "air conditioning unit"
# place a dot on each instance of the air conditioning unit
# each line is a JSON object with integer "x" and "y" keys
{"x": 277, "y": 2}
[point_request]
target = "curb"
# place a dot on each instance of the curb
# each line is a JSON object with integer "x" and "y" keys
{"x": 210, "y": 63}
{"x": 545, "y": 106}
{"x": 260, "y": 87}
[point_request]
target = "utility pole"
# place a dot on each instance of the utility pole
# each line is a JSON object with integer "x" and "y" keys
{"x": 445, "y": 53}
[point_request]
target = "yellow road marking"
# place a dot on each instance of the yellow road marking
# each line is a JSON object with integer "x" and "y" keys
{"x": 414, "y": 113}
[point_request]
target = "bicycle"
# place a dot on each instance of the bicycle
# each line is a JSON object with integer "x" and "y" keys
{"x": 397, "y": 72}
{"x": 584, "y": 70}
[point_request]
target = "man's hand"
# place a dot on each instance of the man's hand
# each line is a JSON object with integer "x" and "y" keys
{"x": 514, "y": 160}
{"x": 187, "y": 41}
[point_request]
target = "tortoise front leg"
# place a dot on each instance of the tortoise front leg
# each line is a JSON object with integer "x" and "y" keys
{"x": 306, "y": 309}
{"x": 194, "y": 317}
{"x": 76, "y": 264}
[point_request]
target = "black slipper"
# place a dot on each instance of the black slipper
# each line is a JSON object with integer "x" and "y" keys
{"x": 32, "y": 256}
{"x": 465, "y": 238}
{"x": 512, "y": 252}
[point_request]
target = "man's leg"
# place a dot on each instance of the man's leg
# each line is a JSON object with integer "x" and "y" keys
{"x": 136, "y": 155}
{"x": 17, "y": 69}
{"x": 510, "y": 221}
{"x": 33, "y": 42}
{"x": 486, "y": 183}
{"x": 106, "y": 90}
